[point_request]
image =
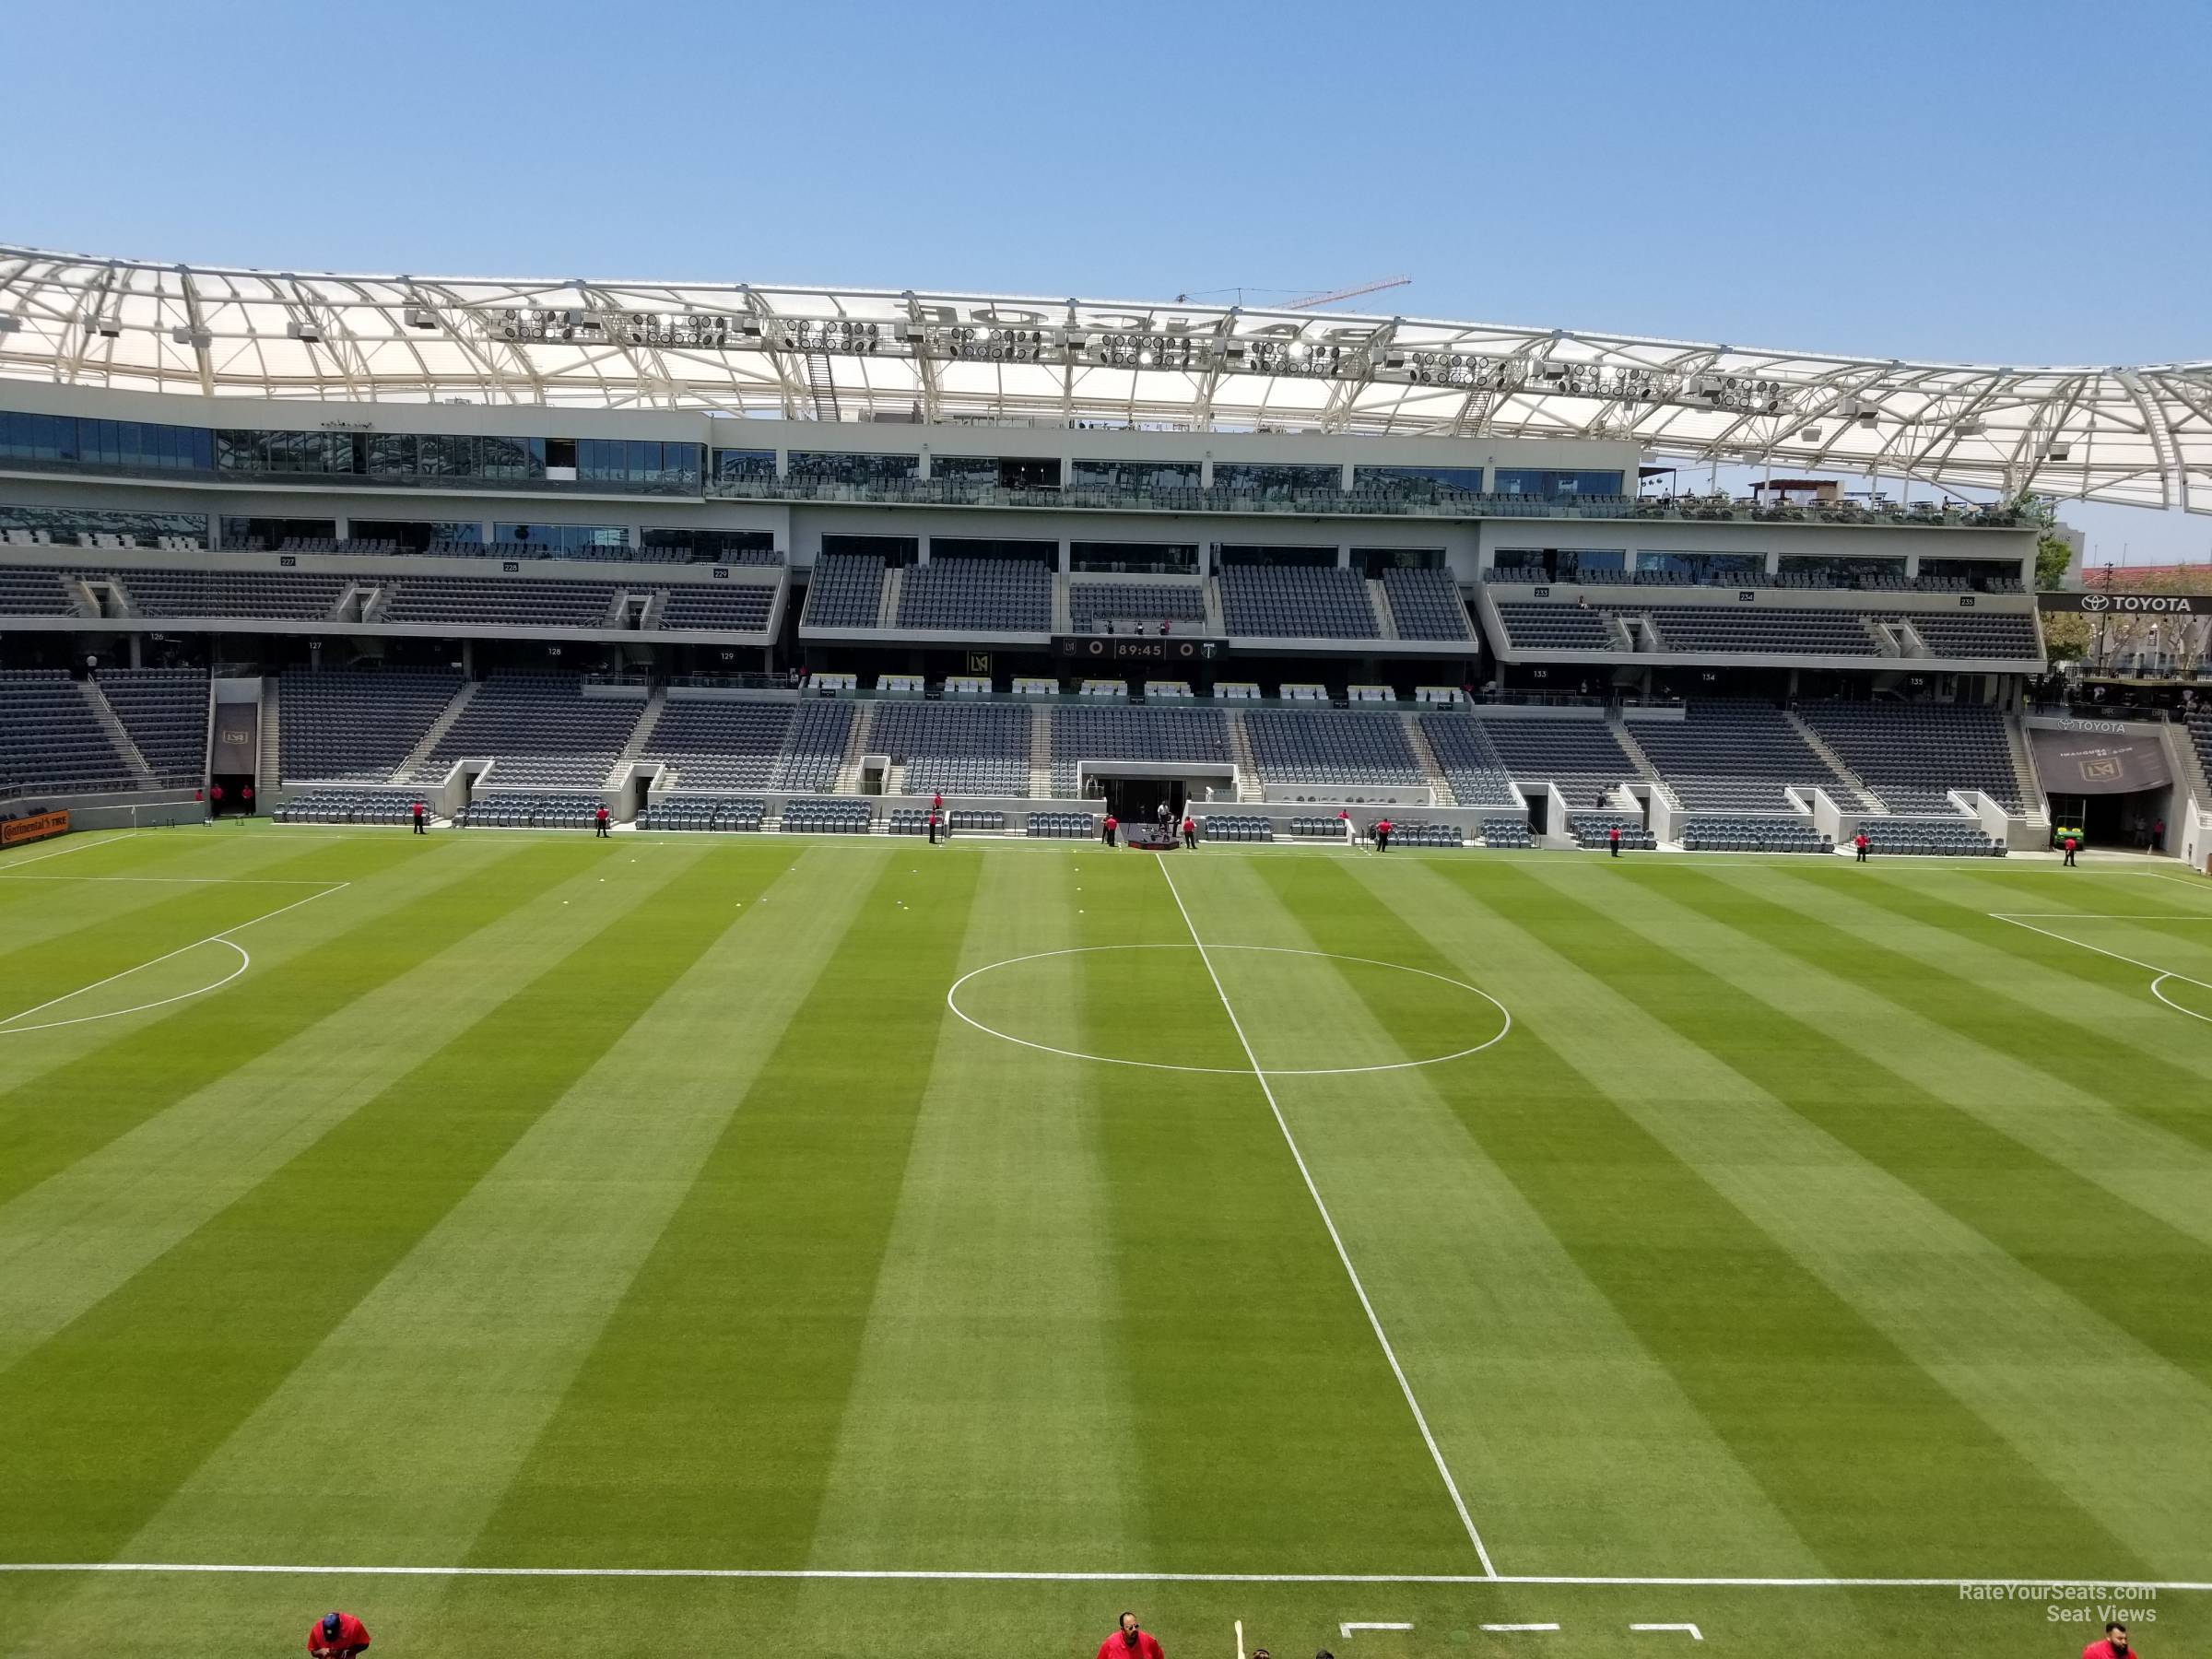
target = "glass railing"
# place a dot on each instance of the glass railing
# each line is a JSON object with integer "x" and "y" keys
{"x": 1363, "y": 503}
{"x": 460, "y": 483}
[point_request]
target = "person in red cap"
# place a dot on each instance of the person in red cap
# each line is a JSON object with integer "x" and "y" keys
{"x": 336, "y": 1636}
{"x": 2113, "y": 1646}
{"x": 1130, "y": 1642}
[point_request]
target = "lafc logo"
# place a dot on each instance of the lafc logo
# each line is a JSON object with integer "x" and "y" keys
{"x": 2103, "y": 770}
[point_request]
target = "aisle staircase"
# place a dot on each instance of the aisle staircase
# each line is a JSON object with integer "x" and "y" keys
{"x": 1041, "y": 752}
{"x": 126, "y": 746}
{"x": 1432, "y": 771}
{"x": 1868, "y": 800}
{"x": 420, "y": 754}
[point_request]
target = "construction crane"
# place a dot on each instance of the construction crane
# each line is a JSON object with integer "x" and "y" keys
{"x": 1314, "y": 301}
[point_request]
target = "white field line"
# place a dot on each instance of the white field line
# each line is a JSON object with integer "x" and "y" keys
{"x": 1359, "y": 1289}
{"x": 925, "y": 1574}
{"x": 1695, "y": 1634}
{"x": 2164, "y": 973}
{"x": 85, "y": 846}
{"x": 1518, "y": 1627}
{"x": 1347, "y": 1627}
{"x": 223, "y": 937}
{"x": 182, "y": 880}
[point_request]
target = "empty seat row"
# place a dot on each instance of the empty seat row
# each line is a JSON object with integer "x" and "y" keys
{"x": 1301, "y": 745}
{"x": 1061, "y": 826}
{"x": 165, "y": 712}
{"x": 348, "y": 806}
{"x": 356, "y": 724}
{"x": 1092, "y": 603}
{"x": 51, "y": 738}
{"x": 503, "y": 811}
{"x": 957, "y": 748}
{"x": 704, "y": 812}
{"x": 1506, "y": 833}
{"x": 828, "y": 818}
{"x": 1425, "y": 604}
{"x": 1913, "y": 755}
{"x": 1930, "y": 838}
{"x": 1117, "y": 732}
{"x": 1471, "y": 762}
{"x": 1415, "y": 833}
{"x": 1738, "y": 756}
{"x": 1754, "y": 835}
{"x": 540, "y": 729}
{"x": 1596, "y": 829}
{"x": 846, "y": 591}
{"x": 1236, "y": 827}
{"x": 986, "y": 596}
{"x": 1297, "y": 602}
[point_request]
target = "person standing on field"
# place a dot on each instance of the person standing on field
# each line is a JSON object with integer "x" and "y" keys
{"x": 1858, "y": 843}
{"x": 1613, "y": 839}
{"x": 599, "y": 820}
{"x": 2073, "y": 845}
{"x": 933, "y": 828}
{"x": 1130, "y": 1642}
{"x": 1107, "y": 830}
{"x": 336, "y": 1636}
{"x": 417, "y": 814}
{"x": 1189, "y": 832}
{"x": 1382, "y": 835}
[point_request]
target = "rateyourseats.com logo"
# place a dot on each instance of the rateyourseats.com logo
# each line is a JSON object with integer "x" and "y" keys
{"x": 2082, "y": 1603}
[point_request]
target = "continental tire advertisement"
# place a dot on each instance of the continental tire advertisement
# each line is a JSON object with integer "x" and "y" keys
{"x": 37, "y": 827}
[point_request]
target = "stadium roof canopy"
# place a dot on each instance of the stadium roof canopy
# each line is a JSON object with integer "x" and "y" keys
{"x": 2140, "y": 436}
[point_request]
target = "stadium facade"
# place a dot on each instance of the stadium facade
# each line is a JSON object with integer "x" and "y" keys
{"x": 519, "y": 549}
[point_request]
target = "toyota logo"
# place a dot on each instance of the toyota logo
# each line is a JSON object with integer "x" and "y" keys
{"x": 2094, "y": 602}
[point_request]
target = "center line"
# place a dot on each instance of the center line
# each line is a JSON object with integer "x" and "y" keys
{"x": 1328, "y": 1221}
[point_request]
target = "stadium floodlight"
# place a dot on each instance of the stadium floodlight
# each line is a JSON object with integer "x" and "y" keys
{"x": 308, "y": 334}
{"x": 1969, "y": 428}
{"x": 421, "y": 316}
{"x": 105, "y": 327}
{"x": 198, "y": 338}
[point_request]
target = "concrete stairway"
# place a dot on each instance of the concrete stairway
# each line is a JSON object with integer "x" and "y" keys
{"x": 1650, "y": 774}
{"x": 1818, "y": 745}
{"x": 268, "y": 771}
{"x": 1041, "y": 752}
{"x": 657, "y": 702}
{"x": 1240, "y": 752}
{"x": 126, "y": 748}
{"x": 887, "y": 605}
{"x": 856, "y": 745}
{"x": 421, "y": 752}
{"x": 1385, "y": 618}
{"x": 1432, "y": 771}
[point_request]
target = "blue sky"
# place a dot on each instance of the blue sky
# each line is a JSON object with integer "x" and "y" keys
{"x": 2011, "y": 183}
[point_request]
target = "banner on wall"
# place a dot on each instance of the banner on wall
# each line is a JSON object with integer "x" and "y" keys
{"x": 37, "y": 827}
{"x": 237, "y": 738}
{"x": 2087, "y": 763}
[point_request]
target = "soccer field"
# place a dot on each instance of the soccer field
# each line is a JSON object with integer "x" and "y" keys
{"x": 813, "y": 1246}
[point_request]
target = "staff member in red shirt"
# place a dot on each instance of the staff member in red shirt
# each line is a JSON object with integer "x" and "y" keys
{"x": 1859, "y": 842}
{"x": 1613, "y": 839}
{"x": 599, "y": 820}
{"x": 1130, "y": 1642}
{"x": 2113, "y": 1646}
{"x": 1107, "y": 830}
{"x": 1189, "y": 832}
{"x": 336, "y": 1636}
{"x": 1382, "y": 835}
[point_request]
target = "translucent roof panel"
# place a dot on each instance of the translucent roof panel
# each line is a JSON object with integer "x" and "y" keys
{"x": 2137, "y": 435}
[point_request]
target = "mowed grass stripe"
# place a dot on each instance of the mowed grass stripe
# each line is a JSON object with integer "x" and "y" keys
{"x": 702, "y": 1424}
{"x": 113, "y": 1414}
{"x": 1956, "y": 1305}
{"x": 115, "y": 1076}
{"x": 1957, "y": 1038}
{"x": 50, "y": 901}
{"x": 161, "y": 918}
{"x": 1577, "y": 1448}
{"x": 85, "y": 1229}
{"x": 434, "y": 1388}
{"x": 988, "y": 1393}
{"x": 1657, "y": 1169}
{"x": 1257, "y": 1385}
{"x": 2147, "y": 1068}
{"x": 2090, "y": 999}
{"x": 1875, "y": 1075}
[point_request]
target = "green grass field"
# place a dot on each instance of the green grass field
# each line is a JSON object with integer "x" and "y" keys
{"x": 495, "y": 1201}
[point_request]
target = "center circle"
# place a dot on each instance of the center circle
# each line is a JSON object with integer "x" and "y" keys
{"x": 1496, "y": 1010}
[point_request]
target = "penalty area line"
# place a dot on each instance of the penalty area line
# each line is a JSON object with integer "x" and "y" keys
{"x": 936, "y": 1574}
{"x": 7, "y": 1023}
{"x": 1359, "y": 1289}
